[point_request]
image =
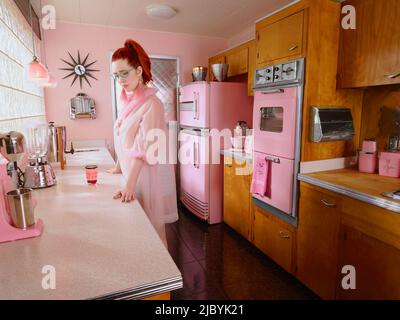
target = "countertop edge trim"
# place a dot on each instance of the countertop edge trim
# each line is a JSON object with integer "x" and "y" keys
{"x": 385, "y": 204}
{"x": 146, "y": 290}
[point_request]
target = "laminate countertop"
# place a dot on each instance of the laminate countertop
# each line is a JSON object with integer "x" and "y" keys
{"x": 361, "y": 186}
{"x": 100, "y": 248}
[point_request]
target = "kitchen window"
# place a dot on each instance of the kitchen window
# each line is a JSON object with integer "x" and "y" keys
{"x": 21, "y": 101}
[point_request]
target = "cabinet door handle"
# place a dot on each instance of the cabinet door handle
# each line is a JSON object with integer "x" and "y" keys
{"x": 284, "y": 235}
{"x": 293, "y": 48}
{"x": 393, "y": 75}
{"x": 331, "y": 205}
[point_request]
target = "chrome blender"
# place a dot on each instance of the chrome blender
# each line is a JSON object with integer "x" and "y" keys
{"x": 16, "y": 214}
{"x": 39, "y": 173}
{"x": 12, "y": 147}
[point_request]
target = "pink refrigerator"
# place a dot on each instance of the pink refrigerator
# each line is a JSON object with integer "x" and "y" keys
{"x": 207, "y": 113}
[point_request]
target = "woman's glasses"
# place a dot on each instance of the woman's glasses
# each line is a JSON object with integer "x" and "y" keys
{"x": 122, "y": 74}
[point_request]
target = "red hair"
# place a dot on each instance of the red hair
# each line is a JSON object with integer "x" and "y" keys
{"x": 136, "y": 57}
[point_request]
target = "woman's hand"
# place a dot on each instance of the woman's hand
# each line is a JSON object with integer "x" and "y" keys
{"x": 125, "y": 195}
{"x": 115, "y": 170}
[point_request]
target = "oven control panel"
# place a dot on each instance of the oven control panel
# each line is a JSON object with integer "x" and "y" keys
{"x": 278, "y": 74}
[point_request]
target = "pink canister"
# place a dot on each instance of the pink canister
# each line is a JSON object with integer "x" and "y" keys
{"x": 389, "y": 164}
{"x": 367, "y": 162}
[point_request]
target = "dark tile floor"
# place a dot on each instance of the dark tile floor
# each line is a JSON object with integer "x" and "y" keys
{"x": 218, "y": 264}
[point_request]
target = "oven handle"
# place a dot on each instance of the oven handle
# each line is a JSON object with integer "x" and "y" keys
{"x": 273, "y": 159}
{"x": 272, "y": 91}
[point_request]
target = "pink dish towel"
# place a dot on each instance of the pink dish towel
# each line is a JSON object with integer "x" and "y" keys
{"x": 260, "y": 176}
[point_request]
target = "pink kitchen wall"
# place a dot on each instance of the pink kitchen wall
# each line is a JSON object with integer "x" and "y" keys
{"x": 99, "y": 41}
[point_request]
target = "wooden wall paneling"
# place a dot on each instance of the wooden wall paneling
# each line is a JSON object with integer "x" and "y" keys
{"x": 321, "y": 85}
{"x": 377, "y": 124}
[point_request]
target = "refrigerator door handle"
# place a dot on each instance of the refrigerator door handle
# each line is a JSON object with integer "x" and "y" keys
{"x": 196, "y": 105}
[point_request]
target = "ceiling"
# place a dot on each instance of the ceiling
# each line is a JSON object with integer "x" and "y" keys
{"x": 215, "y": 18}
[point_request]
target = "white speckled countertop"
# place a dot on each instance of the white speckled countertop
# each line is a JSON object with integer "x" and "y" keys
{"x": 100, "y": 248}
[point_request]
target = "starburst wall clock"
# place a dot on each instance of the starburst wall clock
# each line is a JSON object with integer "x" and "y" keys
{"x": 79, "y": 69}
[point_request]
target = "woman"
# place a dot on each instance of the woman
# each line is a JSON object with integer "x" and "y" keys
{"x": 153, "y": 185}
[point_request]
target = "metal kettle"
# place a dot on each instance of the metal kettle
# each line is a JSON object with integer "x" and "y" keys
{"x": 58, "y": 144}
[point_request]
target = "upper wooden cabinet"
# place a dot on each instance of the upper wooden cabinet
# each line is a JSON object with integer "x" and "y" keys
{"x": 241, "y": 61}
{"x": 280, "y": 39}
{"x": 238, "y": 61}
{"x": 370, "y": 53}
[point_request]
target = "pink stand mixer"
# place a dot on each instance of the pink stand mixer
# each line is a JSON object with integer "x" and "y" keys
{"x": 12, "y": 226}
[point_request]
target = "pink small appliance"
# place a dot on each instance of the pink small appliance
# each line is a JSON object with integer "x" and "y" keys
{"x": 389, "y": 164}
{"x": 207, "y": 109}
{"x": 14, "y": 225}
{"x": 367, "y": 158}
{"x": 277, "y": 137}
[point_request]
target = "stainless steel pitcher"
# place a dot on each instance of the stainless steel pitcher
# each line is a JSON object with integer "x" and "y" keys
{"x": 21, "y": 208}
{"x": 57, "y": 149}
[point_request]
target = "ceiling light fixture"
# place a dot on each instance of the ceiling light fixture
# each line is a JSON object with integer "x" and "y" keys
{"x": 36, "y": 71}
{"x": 160, "y": 11}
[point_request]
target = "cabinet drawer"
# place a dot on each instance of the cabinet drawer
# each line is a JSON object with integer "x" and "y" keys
{"x": 281, "y": 39}
{"x": 273, "y": 239}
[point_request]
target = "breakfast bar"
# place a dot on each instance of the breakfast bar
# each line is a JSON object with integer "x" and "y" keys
{"x": 92, "y": 247}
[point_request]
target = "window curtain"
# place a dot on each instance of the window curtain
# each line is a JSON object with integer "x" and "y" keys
{"x": 21, "y": 101}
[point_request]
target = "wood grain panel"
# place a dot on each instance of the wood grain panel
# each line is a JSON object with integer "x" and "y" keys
{"x": 317, "y": 240}
{"x": 376, "y": 122}
{"x": 371, "y": 52}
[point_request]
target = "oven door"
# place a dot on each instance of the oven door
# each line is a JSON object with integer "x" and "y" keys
{"x": 274, "y": 121}
{"x": 279, "y": 182}
{"x": 193, "y": 105}
{"x": 194, "y": 172}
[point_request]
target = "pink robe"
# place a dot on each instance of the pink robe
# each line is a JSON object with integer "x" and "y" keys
{"x": 156, "y": 187}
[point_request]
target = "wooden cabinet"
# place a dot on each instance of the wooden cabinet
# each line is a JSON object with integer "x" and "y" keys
{"x": 237, "y": 197}
{"x": 376, "y": 264}
{"x": 317, "y": 240}
{"x": 370, "y": 53}
{"x": 280, "y": 39}
{"x": 241, "y": 61}
{"x": 237, "y": 61}
{"x": 337, "y": 231}
{"x": 251, "y": 68}
{"x": 274, "y": 237}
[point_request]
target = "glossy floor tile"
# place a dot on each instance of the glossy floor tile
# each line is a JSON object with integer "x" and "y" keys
{"x": 218, "y": 264}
